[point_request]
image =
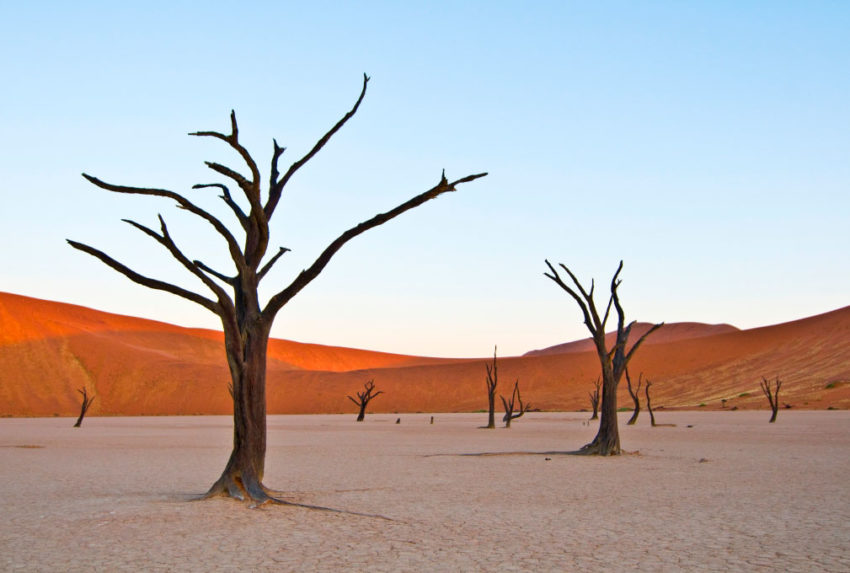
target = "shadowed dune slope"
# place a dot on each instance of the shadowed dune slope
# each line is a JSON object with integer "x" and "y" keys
{"x": 143, "y": 367}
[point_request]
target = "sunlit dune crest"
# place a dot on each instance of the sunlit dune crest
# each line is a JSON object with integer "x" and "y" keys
{"x": 141, "y": 367}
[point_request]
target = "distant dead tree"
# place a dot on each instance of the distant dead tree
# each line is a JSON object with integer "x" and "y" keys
{"x": 635, "y": 394}
{"x": 772, "y": 394}
{"x": 594, "y": 399}
{"x": 613, "y": 361}
{"x": 84, "y": 407}
{"x": 492, "y": 382}
{"x": 234, "y": 295}
{"x": 363, "y": 398}
{"x": 649, "y": 403}
{"x": 510, "y": 405}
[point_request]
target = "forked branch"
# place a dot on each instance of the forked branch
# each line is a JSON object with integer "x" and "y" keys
{"x": 276, "y": 187}
{"x": 511, "y": 404}
{"x": 306, "y": 276}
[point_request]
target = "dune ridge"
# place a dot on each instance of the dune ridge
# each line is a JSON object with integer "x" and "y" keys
{"x": 144, "y": 367}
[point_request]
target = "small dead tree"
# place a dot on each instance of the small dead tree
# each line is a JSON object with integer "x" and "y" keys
{"x": 594, "y": 400}
{"x": 84, "y": 407}
{"x": 492, "y": 382}
{"x": 649, "y": 403}
{"x": 363, "y": 398}
{"x": 772, "y": 394}
{"x": 635, "y": 394}
{"x": 613, "y": 361}
{"x": 510, "y": 405}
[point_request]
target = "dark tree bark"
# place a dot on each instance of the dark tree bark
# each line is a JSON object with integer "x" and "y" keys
{"x": 613, "y": 361}
{"x": 649, "y": 404}
{"x": 772, "y": 394}
{"x": 492, "y": 382}
{"x": 635, "y": 394}
{"x": 84, "y": 407}
{"x": 510, "y": 405}
{"x": 245, "y": 321}
{"x": 363, "y": 398}
{"x": 594, "y": 399}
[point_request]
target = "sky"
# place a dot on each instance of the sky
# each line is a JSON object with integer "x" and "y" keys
{"x": 705, "y": 144}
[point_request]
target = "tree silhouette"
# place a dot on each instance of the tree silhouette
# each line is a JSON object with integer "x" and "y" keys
{"x": 594, "y": 399}
{"x": 492, "y": 382}
{"x": 772, "y": 395}
{"x": 635, "y": 394}
{"x": 364, "y": 397}
{"x": 613, "y": 361}
{"x": 84, "y": 406}
{"x": 245, "y": 320}
{"x": 511, "y": 404}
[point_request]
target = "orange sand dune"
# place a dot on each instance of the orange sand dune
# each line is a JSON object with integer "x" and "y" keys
{"x": 669, "y": 333}
{"x": 143, "y": 367}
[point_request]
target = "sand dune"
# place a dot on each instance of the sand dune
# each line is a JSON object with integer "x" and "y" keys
{"x": 143, "y": 367}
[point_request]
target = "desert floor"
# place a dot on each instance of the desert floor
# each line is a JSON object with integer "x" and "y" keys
{"x": 720, "y": 491}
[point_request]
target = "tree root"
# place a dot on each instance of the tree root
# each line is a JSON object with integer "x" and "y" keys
{"x": 256, "y": 495}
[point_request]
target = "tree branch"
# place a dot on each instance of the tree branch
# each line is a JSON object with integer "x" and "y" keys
{"x": 235, "y": 251}
{"x": 228, "y": 199}
{"x": 146, "y": 281}
{"x": 641, "y": 339}
{"x": 276, "y": 189}
{"x": 556, "y": 278}
{"x": 267, "y": 267}
{"x": 221, "y": 276}
{"x": 306, "y": 276}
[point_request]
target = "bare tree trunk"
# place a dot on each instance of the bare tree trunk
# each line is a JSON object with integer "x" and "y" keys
{"x": 649, "y": 404}
{"x": 772, "y": 396}
{"x": 635, "y": 394}
{"x": 492, "y": 382}
{"x": 84, "y": 406}
{"x": 243, "y": 473}
{"x": 607, "y": 439}
{"x": 594, "y": 399}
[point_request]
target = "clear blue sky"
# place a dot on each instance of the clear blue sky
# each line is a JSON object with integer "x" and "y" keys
{"x": 705, "y": 143}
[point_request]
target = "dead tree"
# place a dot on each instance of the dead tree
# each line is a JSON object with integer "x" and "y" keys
{"x": 649, "y": 403}
{"x": 613, "y": 361}
{"x": 245, "y": 320}
{"x": 84, "y": 407}
{"x": 594, "y": 399}
{"x": 510, "y": 405}
{"x": 635, "y": 394}
{"x": 772, "y": 394}
{"x": 364, "y": 397}
{"x": 492, "y": 382}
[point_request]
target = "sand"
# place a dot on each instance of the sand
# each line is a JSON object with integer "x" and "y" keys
{"x": 730, "y": 493}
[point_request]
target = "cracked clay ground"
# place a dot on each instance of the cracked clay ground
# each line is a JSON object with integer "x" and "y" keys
{"x": 729, "y": 493}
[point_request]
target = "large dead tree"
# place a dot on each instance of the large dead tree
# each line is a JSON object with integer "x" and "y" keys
{"x": 613, "y": 361}
{"x": 363, "y": 398}
{"x": 492, "y": 382}
{"x": 635, "y": 394}
{"x": 772, "y": 395}
{"x": 511, "y": 404}
{"x": 84, "y": 406}
{"x": 245, "y": 321}
{"x": 594, "y": 399}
